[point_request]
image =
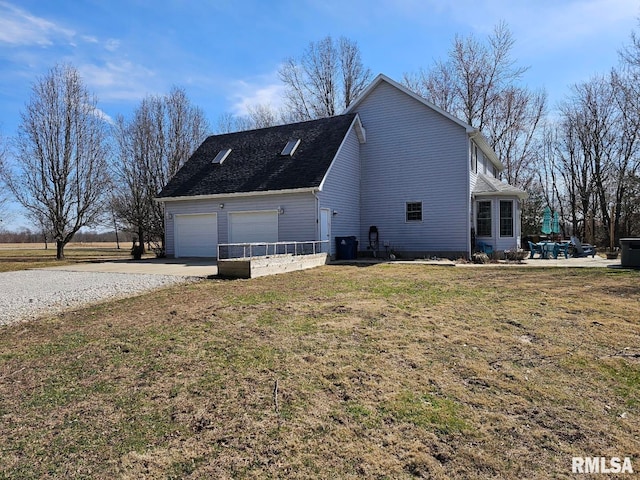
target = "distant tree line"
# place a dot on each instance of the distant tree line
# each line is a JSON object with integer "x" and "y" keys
{"x": 27, "y": 235}
{"x": 71, "y": 169}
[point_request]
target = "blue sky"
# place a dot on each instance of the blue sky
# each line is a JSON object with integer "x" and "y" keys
{"x": 226, "y": 53}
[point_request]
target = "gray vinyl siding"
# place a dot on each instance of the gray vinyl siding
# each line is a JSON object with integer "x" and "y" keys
{"x": 413, "y": 154}
{"x": 341, "y": 190}
{"x": 296, "y": 223}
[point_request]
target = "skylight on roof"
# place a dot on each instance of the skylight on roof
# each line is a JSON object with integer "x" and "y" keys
{"x": 290, "y": 147}
{"x": 221, "y": 156}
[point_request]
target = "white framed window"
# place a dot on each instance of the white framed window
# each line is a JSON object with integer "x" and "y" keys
{"x": 506, "y": 218}
{"x": 413, "y": 212}
{"x": 483, "y": 219}
{"x": 474, "y": 158}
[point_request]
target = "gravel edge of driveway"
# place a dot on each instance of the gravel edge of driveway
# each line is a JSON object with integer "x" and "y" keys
{"x": 30, "y": 294}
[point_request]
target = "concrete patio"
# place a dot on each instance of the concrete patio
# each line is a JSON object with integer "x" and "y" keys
{"x": 184, "y": 267}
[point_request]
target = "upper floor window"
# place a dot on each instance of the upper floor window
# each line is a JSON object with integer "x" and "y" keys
{"x": 474, "y": 158}
{"x": 414, "y": 212}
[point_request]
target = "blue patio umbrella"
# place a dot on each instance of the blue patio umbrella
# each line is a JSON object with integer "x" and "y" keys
{"x": 546, "y": 221}
{"x": 555, "y": 224}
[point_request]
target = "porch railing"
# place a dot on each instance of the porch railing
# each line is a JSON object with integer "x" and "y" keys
{"x": 227, "y": 251}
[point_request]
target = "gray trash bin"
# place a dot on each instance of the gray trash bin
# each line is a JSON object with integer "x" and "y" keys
{"x": 630, "y": 257}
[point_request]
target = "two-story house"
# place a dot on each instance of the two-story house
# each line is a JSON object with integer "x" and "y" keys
{"x": 393, "y": 168}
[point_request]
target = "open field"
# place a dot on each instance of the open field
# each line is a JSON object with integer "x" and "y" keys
{"x": 19, "y": 256}
{"x": 383, "y": 371}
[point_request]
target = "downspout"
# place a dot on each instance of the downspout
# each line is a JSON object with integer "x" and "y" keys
{"x": 469, "y": 199}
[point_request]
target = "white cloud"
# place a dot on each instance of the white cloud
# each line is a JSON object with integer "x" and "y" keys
{"x": 123, "y": 80}
{"x": 263, "y": 90}
{"x": 112, "y": 45}
{"x": 103, "y": 115}
{"x": 549, "y": 24}
{"x": 19, "y": 27}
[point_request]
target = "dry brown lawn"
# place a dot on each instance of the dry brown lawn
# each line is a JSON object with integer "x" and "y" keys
{"x": 20, "y": 256}
{"x": 385, "y": 371}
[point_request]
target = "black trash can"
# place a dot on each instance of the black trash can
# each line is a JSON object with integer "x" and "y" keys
{"x": 630, "y": 257}
{"x": 346, "y": 248}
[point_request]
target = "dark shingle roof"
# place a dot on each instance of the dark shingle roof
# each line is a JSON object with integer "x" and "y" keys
{"x": 255, "y": 163}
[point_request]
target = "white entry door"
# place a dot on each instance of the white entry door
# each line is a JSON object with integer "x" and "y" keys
{"x": 196, "y": 235}
{"x": 325, "y": 229}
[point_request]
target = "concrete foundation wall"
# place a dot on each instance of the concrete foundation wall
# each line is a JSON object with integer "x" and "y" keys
{"x": 272, "y": 265}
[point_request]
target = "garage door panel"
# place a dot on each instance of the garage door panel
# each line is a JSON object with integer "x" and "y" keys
{"x": 196, "y": 235}
{"x": 253, "y": 227}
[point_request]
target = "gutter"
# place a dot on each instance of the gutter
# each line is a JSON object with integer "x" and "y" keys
{"x": 236, "y": 194}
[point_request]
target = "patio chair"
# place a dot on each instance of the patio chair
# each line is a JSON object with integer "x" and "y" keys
{"x": 582, "y": 249}
{"x": 561, "y": 248}
{"x": 484, "y": 248}
{"x": 534, "y": 248}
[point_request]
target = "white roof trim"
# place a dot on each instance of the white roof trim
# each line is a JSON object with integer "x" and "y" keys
{"x": 236, "y": 194}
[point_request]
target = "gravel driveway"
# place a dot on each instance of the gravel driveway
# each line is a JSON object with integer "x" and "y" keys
{"x": 28, "y": 294}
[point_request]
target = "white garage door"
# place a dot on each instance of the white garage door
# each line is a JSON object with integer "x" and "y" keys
{"x": 248, "y": 227}
{"x": 196, "y": 235}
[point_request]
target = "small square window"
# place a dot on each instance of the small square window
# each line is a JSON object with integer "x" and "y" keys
{"x": 414, "y": 211}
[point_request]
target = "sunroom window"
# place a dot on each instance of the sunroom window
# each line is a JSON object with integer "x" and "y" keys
{"x": 506, "y": 218}
{"x": 483, "y": 221}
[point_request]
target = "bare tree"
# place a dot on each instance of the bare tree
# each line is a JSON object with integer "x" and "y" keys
{"x": 479, "y": 83}
{"x": 152, "y": 146}
{"x": 325, "y": 79}
{"x": 599, "y": 153}
{"x": 61, "y": 169}
{"x": 625, "y": 161}
{"x": 3, "y": 197}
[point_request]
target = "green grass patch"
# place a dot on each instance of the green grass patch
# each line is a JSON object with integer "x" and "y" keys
{"x": 626, "y": 380}
{"x": 426, "y": 410}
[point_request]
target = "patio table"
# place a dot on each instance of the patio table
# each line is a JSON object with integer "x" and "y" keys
{"x": 547, "y": 249}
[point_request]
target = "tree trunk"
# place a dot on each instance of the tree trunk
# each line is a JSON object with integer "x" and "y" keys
{"x": 59, "y": 250}
{"x": 141, "y": 238}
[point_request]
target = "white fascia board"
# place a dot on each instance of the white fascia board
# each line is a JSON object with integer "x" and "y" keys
{"x": 522, "y": 195}
{"x": 236, "y": 195}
